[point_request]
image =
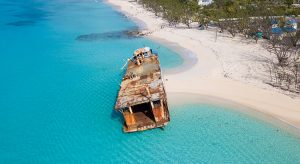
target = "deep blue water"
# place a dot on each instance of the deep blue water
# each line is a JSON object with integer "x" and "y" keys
{"x": 57, "y": 94}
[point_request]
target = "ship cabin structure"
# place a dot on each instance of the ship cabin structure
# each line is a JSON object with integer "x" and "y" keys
{"x": 142, "y": 98}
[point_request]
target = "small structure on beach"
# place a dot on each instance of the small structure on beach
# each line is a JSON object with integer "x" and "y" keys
{"x": 290, "y": 26}
{"x": 205, "y": 2}
{"x": 142, "y": 97}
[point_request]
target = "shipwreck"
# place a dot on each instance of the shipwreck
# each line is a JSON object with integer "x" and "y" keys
{"x": 142, "y": 97}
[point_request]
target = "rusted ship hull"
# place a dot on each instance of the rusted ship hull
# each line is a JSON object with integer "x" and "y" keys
{"x": 142, "y": 98}
{"x": 140, "y": 121}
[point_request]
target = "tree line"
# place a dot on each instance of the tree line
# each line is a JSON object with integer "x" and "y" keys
{"x": 247, "y": 18}
{"x": 188, "y": 11}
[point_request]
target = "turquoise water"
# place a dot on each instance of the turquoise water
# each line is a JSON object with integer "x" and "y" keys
{"x": 57, "y": 94}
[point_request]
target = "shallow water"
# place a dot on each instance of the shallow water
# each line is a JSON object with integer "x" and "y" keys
{"x": 57, "y": 95}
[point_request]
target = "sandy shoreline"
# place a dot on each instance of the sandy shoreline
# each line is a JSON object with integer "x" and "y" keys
{"x": 190, "y": 98}
{"x": 227, "y": 69}
{"x": 188, "y": 57}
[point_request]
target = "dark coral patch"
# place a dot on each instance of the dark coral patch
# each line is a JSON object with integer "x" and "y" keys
{"x": 21, "y": 23}
{"x": 127, "y": 34}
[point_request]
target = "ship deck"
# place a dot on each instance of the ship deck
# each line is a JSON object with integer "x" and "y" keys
{"x": 142, "y": 97}
{"x": 141, "y": 84}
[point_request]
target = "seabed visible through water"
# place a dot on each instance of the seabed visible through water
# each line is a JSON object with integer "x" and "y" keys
{"x": 57, "y": 95}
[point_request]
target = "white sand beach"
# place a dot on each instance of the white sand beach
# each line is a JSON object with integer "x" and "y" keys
{"x": 228, "y": 68}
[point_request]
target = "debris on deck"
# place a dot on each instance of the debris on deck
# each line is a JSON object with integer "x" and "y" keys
{"x": 142, "y": 98}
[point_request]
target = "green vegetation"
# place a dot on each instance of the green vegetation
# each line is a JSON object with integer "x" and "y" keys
{"x": 249, "y": 18}
{"x": 174, "y": 11}
{"x": 187, "y": 11}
